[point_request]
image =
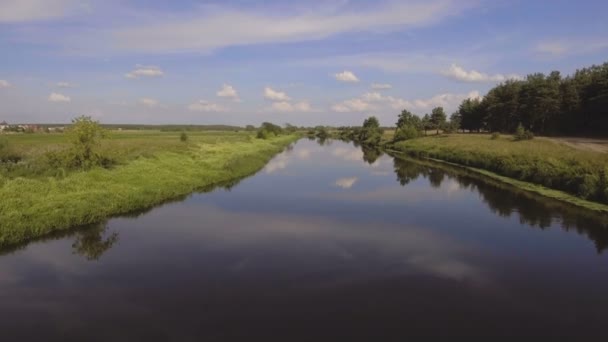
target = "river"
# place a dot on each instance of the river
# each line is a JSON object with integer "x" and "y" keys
{"x": 327, "y": 242}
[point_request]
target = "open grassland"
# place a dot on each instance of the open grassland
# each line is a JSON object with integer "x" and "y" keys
{"x": 554, "y": 165}
{"x": 151, "y": 167}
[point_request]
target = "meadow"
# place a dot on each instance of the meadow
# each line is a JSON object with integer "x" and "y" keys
{"x": 147, "y": 168}
{"x": 541, "y": 161}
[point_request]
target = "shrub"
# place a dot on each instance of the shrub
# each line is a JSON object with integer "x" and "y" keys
{"x": 495, "y": 136}
{"x": 406, "y": 133}
{"x": 522, "y": 134}
{"x": 264, "y": 134}
{"x": 183, "y": 137}
{"x": 85, "y": 134}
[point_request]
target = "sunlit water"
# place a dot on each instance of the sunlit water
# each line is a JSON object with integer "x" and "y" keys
{"x": 326, "y": 243}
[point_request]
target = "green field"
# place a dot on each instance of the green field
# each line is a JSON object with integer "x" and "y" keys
{"x": 147, "y": 168}
{"x": 541, "y": 161}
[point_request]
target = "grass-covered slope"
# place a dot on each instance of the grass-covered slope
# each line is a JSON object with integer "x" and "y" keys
{"x": 35, "y": 206}
{"x": 540, "y": 161}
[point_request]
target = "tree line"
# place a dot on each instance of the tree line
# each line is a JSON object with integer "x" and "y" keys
{"x": 543, "y": 104}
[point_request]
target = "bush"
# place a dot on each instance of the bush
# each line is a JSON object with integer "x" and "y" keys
{"x": 522, "y": 134}
{"x": 264, "y": 134}
{"x": 7, "y": 155}
{"x": 183, "y": 137}
{"x": 84, "y": 135}
{"x": 406, "y": 133}
{"x": 495, "y": 136}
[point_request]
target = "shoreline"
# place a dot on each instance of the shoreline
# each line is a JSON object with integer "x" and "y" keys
{"x": 537, "y": 189}
{"x": 32, "y": 208}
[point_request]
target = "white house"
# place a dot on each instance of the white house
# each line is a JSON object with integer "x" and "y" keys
{"x": 3, "y": 125}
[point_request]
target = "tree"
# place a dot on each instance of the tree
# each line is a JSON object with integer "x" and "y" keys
{"x": 438, "y": 118}
{"x": 426, "y": 123}
{"x": 471, "y": 115}
{"x": 371, "y": 133}
{"x": 406, "y": 118}
{"x": 85, "y": 135}
{"x": 455, "y": 122}
{"x": 183, "y": 137}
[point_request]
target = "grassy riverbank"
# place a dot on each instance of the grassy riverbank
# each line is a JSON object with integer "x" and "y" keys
{"x": 575, "y": 173}
{"x": 151, "y": 168}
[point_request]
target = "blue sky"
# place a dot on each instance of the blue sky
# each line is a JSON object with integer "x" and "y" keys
{"x": 303, "y": 62}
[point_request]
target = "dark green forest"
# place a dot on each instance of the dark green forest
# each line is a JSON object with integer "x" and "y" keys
{"x": 544, "y": 104}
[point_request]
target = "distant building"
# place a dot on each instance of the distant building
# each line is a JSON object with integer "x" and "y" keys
{"x": 3, "y": 125}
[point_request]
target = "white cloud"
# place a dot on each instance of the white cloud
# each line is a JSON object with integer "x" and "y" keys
{"x": 206, "y": 31}
{"x": 346, "y": 183}
{"x": 145, "y": 71}
{"x": 288, "y": 107}
{"x": 228, "y": 91}
{"x": 458, "y": 73}
{"x": 277, "y": 164}
{"x": 148, "y": 102}
{"x": 346, "y": 76}
{"x": 56, "y": 97}
{"x": 381, "y": 86}
{"x": 352, "y": 105}
{"x": 375, "y": 101}
{"x": 350, "y": 154}
{"x": 12, "y": 11}
{"x": 572, "y": 46}
{"x": 273, "y": 95}
{"x": 64, "y": 85}
{"x": 303, "y": 153}
{"x": 206, "y": 106}
{"x": 4, "y": 84}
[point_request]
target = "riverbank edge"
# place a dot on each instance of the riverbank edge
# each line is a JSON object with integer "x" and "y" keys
{"x": 51, "y": 205}
{"x": 527, "y": 186}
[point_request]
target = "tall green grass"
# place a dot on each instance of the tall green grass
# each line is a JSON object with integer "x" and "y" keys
{"x": 540, "y": 161}
{"x": 35, "y": 206}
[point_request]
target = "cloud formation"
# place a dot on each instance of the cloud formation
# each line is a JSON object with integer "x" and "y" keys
{"x": 284, "y": 106}
{"x": 148, "y": 102}
{"x": 145, "y": 71}
{"x": 274, "y": 95}
{"x": 229, "y": 92}
{"x": 14, "y": 11}
{"x": 346, "y": 76}
{"x": 206, "y": 106}
{"x": 346, "y": 183}
{"x": 375, "y": 101}
{"x": 4, "y": 84}
{"x": 381, "y": 86}
{"x": 64, "y": 85}
{"x": 205, "y": 31}
{"x": 458, "y": 73}
{"x": 56, "y": 97}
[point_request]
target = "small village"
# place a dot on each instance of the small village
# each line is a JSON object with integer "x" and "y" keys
{"x": 27, "y": 128}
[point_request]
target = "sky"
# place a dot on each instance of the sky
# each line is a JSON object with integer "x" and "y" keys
{"x": 304, "y": 62}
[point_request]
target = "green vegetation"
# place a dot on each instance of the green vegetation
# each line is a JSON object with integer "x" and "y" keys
{"x": 544, "y": 104}
{"x": 147, "y": 168}
{"x": 541, "y": 161}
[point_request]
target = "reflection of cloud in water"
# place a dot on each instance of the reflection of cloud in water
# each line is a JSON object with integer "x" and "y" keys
{"x": 278, "y": 163}
{"x": 420, "y": 250}
{"x": 303, "y": 153}
{"x": 397, "y": 194}
{"x": 346, "y": 183}
{"x": 350, "y": 154}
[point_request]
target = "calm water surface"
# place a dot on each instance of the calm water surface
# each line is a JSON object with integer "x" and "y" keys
{"x": 326, "y": 243}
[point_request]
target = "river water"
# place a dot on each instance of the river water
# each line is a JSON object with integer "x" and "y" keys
{"x": 327, "y": 242}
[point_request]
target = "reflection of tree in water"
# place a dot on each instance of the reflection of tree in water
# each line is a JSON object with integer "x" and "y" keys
{"x": 323, "y": 141}
{"x": 370, "y": 154}
{"x": 506, "y": 201}
{"x": 92, "y": 243}
{"x": 408, "y": 171}
{"x": 436, "y": 177}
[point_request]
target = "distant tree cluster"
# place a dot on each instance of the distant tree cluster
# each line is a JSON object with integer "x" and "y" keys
{"x": 543, "y": 104}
